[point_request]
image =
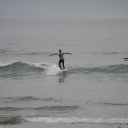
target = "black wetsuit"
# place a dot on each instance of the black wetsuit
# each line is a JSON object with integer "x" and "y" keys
{"x": 61, "y": 59}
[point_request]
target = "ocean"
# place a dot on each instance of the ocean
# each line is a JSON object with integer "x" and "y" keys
{"x": 91, "y": 93}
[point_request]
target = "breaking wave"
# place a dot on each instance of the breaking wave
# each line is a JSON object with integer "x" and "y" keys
{"x": 22, "y": 66}
{"x": 73, "y": 120}
{"x": 19, "y": 68}
{"x": 12, "y": 120}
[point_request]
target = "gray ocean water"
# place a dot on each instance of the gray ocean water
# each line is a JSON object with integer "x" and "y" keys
{"x": 91, "y": 93}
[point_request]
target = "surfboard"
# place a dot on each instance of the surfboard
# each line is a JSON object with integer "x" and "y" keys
{"x": 54, "y": 69}
{"x": 63, "y": 69}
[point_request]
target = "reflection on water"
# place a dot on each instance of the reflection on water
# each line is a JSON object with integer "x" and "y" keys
{"x": 62, "y": 77}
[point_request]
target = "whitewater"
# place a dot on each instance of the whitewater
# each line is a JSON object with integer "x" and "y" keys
{"x": 92, "y": 92}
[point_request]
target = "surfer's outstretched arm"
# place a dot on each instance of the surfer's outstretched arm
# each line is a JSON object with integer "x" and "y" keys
{"x": 53, "y": 54}
{"x": 68, "y": 53}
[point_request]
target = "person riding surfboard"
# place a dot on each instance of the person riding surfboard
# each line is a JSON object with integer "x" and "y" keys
{"x": 61, "y": 56}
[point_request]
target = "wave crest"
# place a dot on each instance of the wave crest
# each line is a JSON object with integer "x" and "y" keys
{"x": 19, "y": 68}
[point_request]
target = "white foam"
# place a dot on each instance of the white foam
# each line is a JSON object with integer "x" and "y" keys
{"x": 53, "y": 69}
{"x": 72, "y": 120}
{"x": 40, "y": 65}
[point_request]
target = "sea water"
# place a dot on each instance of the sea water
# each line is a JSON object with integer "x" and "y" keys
{"x": 92, "y": 92}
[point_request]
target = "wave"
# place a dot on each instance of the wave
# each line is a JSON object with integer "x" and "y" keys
{"x": 113, "y": 104}
{"x": 103, "y": 103}
{"x": 35, "y": 53}
{"x": 12, "y": 120}
{"x": 72, "y": 120}
{"x": 57, "y": 108}
{"x": 27, "y": 99}
{"x": 111, "y": 69}
{"x": 59, "y": 100}
{"x": 19, "y": 68}
{"x": 22, "y": 52}
{"x": 12, "y": 108}
{"x": 44, "y": 108}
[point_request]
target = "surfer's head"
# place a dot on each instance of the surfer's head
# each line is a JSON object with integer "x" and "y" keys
{"x": 60, "y": 51}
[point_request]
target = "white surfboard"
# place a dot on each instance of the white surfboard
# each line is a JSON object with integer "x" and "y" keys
{"x": 63, "y": 69}
{"x": 54, "y": 69}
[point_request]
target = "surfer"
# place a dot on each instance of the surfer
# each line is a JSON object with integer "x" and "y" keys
{"x": 61, "y": 56}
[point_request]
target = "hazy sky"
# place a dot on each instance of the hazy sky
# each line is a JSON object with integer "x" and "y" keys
{"x": 63, "y": 9}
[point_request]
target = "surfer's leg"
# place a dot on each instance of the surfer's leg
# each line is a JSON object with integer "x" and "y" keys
{"x": 60, "y": 64}
{"x": 63, "y": 64}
